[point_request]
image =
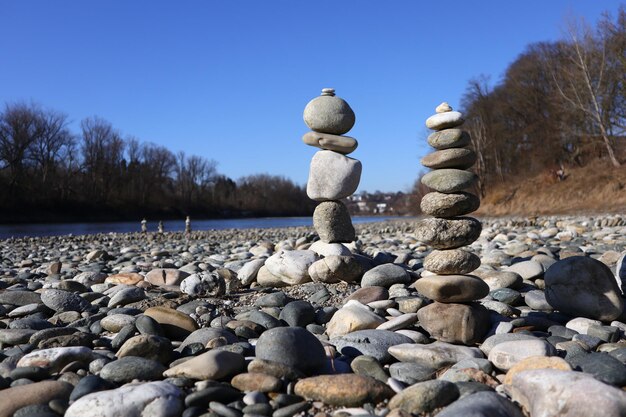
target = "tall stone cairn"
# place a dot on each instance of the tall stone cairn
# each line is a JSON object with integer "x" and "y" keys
{"x": 452, "y": 317}
{"x": 332, "y": 175}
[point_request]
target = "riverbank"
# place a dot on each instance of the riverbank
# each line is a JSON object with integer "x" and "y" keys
{"x": 269, "y": 321}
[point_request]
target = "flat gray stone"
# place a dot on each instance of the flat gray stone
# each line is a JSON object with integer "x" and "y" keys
{"x": 371, "y": 342}
{"x": 435, "y": 355}
{"x": 452, "y": 288}
{"x": 448, "y": 233}
{"x": 459, "y": 158}
{"x": 449, "y": 180}
{"x": 449, "y": 138}
{"x": 449, "y": 205}
{"x": 385, "y": 275}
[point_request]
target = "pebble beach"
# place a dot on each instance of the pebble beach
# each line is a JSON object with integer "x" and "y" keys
{"x": 275, "y": 322}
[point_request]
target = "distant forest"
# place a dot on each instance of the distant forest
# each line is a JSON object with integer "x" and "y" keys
{"x": 559, "y": 105}
{"x": 50, "y": 173}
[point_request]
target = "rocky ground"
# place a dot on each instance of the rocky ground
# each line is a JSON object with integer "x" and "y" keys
{"x": 269, "y": 322}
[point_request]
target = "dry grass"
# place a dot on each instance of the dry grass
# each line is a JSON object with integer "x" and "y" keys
{"x": 595, "y": 188}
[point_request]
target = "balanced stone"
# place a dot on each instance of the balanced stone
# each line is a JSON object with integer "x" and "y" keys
{"x": 443, "y": 107}
{"x": 452, "y": 288}
{"x": 449, "y": 138}
{"x": 444, "y": 120}
{"x": 455, "y": 323}
{"x": 448, "y": 233}
{"x": 336, "y": 143}
{"x": 329, "y": 114}
{"x": 449, "y": 180}
{"x": 449, "y": 205}
{"x": 585, "y": 287}
{"x": 452, "y": 261}
{"x": 332, "y": 269}
{"x": 332, "y": 176}
{"x": 332, "y": 223}
{"x": 460, "y": 158}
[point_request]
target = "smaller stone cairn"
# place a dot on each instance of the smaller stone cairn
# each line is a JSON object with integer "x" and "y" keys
{"x": 452, "y": 317}
{"x": 332, "y": 175}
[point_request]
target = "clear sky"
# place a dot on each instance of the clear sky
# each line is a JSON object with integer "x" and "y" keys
{"x": 229, "y": 79}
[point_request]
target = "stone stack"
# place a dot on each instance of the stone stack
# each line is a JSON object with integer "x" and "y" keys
{"x": 333, "y": 175}
{"x": 452, "y": 317}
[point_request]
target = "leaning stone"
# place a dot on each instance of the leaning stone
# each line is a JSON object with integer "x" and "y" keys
{"x": 332, "y": 222}
{"x": 332, "y": 176}
{"x": 342, "y": 144}
{"x": 449, "y": 180}
{"x": 448, "y": 233}
{"x": 459, "y": 158}
{"x": 452, "y": 261}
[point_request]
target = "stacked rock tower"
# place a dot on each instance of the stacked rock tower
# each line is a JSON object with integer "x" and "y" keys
{"x": 447, "y": 281}
{"x": 332, "y": 175}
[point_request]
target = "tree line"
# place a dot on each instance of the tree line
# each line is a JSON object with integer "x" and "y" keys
{"x": 558, "y": 105}
{"x": 49, "y": 172}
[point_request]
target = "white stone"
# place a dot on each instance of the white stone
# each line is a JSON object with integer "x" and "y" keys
{"x": 292, "y": 267}
{"x": 332, "y": 176}
{"x": 248, "y": 272}
{"x": 581, "y": 324}
{"x": 505, "y": 355}
{"x": 329, "y": 249}
{"x": 56, "y": 358}
{"x": 351, "y": 317}
{"x": 444, "y": 120}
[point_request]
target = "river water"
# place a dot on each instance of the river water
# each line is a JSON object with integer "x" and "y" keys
{"x": 55, "y": 229}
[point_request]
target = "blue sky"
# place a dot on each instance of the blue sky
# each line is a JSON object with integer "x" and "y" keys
{"x": 229, "y": 80}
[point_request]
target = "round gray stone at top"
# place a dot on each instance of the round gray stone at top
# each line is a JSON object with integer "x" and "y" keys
{"x": 329, "y": 114}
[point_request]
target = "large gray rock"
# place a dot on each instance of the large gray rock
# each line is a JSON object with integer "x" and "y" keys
{"x": 332, "y": 176}
{"x": 332, "y": 222}
{"x": 451, "y": 261}
{"x": 341, "y": 144}
{"x": 448, "y": 233}
{"x": 582, "y": 286}
{"x": 549, "y": 392}
{"x": 371, "y": 342}
{"x": 459, "y": 158}
{"x": 329, "y": 114}
{"x": 455, "y": 323}
{"x": 59, "y": 301}
{"x": 158, "y": 399}
{"x": 449, "y": 180}
{"x": 291, "y": 346}
{"x": 449, "y": 138}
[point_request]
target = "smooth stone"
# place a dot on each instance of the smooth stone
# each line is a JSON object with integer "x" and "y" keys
{"x": 443, "y": 107}
{"x": 126, "y": 278}
{"x": 16, "y": 397}
{"x": 527, "y": 269}
{"x": 56, "y": 358}
{"x": 266, "y": 320}
{"x": 148, "y": 325}
{"x": 452, "y": 261}
{"x": 16, "y": 336}
{"x": 369, "y": 366}
{"x": 400, "y": 322}
{"x": 329, "y": 114}
{"x": 449, "y": 138}
{"x": 425, "y": 397}
{"x": 500, "y": 279}
{"x": 459, "y": 158}
{"x": 445, "y": 120}
{"x": 132, "y": 367}
{"x": 89, "y": 384}
{"x": 449, "y": 205}
{"x": 332, "y": 176}
{"x": 266, "y": 279}
{"x": 292, "y": 409}
{"x": 116, "y": 322}
{"x": 371, "y": 342}
{"x": 367, "y": 295}
{"x": 59, "y": 300}
{"x": 411, "y": 373}
{"x": 448, "y": 233}
{"x": 343, "y": 390}
{"x": 298, "y": 313}
{"x": 221, "y": 393}
{"x": 332, "y": 222}
{"x": 213, "y": 365}
{"x": 578, "y": 394}
{"x": 505, "y": 355}
{"x": 276, "y": 369}
{"x": 155, "y": 399}
{"x": 205, "y": 334}
{"x": 452, "y": 288}
{"x": 602, "y": 366}
{"x": 291, "y": 267}
{"x": 435, "y": 355}
{"x": 536, "y": 362}
{"x": 492, "y": 341}
{"x": 127, "y": 296}
{"x": 175, "y": 324}
{"x": 455, "y": 323}
{"x": 256, "y": 382}
{"x": 581, "y": 324}
{"x": 166, "y": 276}
{"x": 248, "y": 272}
{"x": 330, "y": 249}
{"x": 291, "y": 346}
{"x": 342, "y": 144}
{"x": 147, "y": 346}
{"x": 449, "y": 180}
{"x": 507, "y": 296}
{"x": 332, "y": 269}
{"x": 582, "y": 286}
{"x": 481, "y": 404}
{"x": 274, "y": 299}
{"x": 351, "y": 317}
{"x": 19, "y": 298}
{"x": 536, "y": 299}
{"x": 385, "y": 275}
